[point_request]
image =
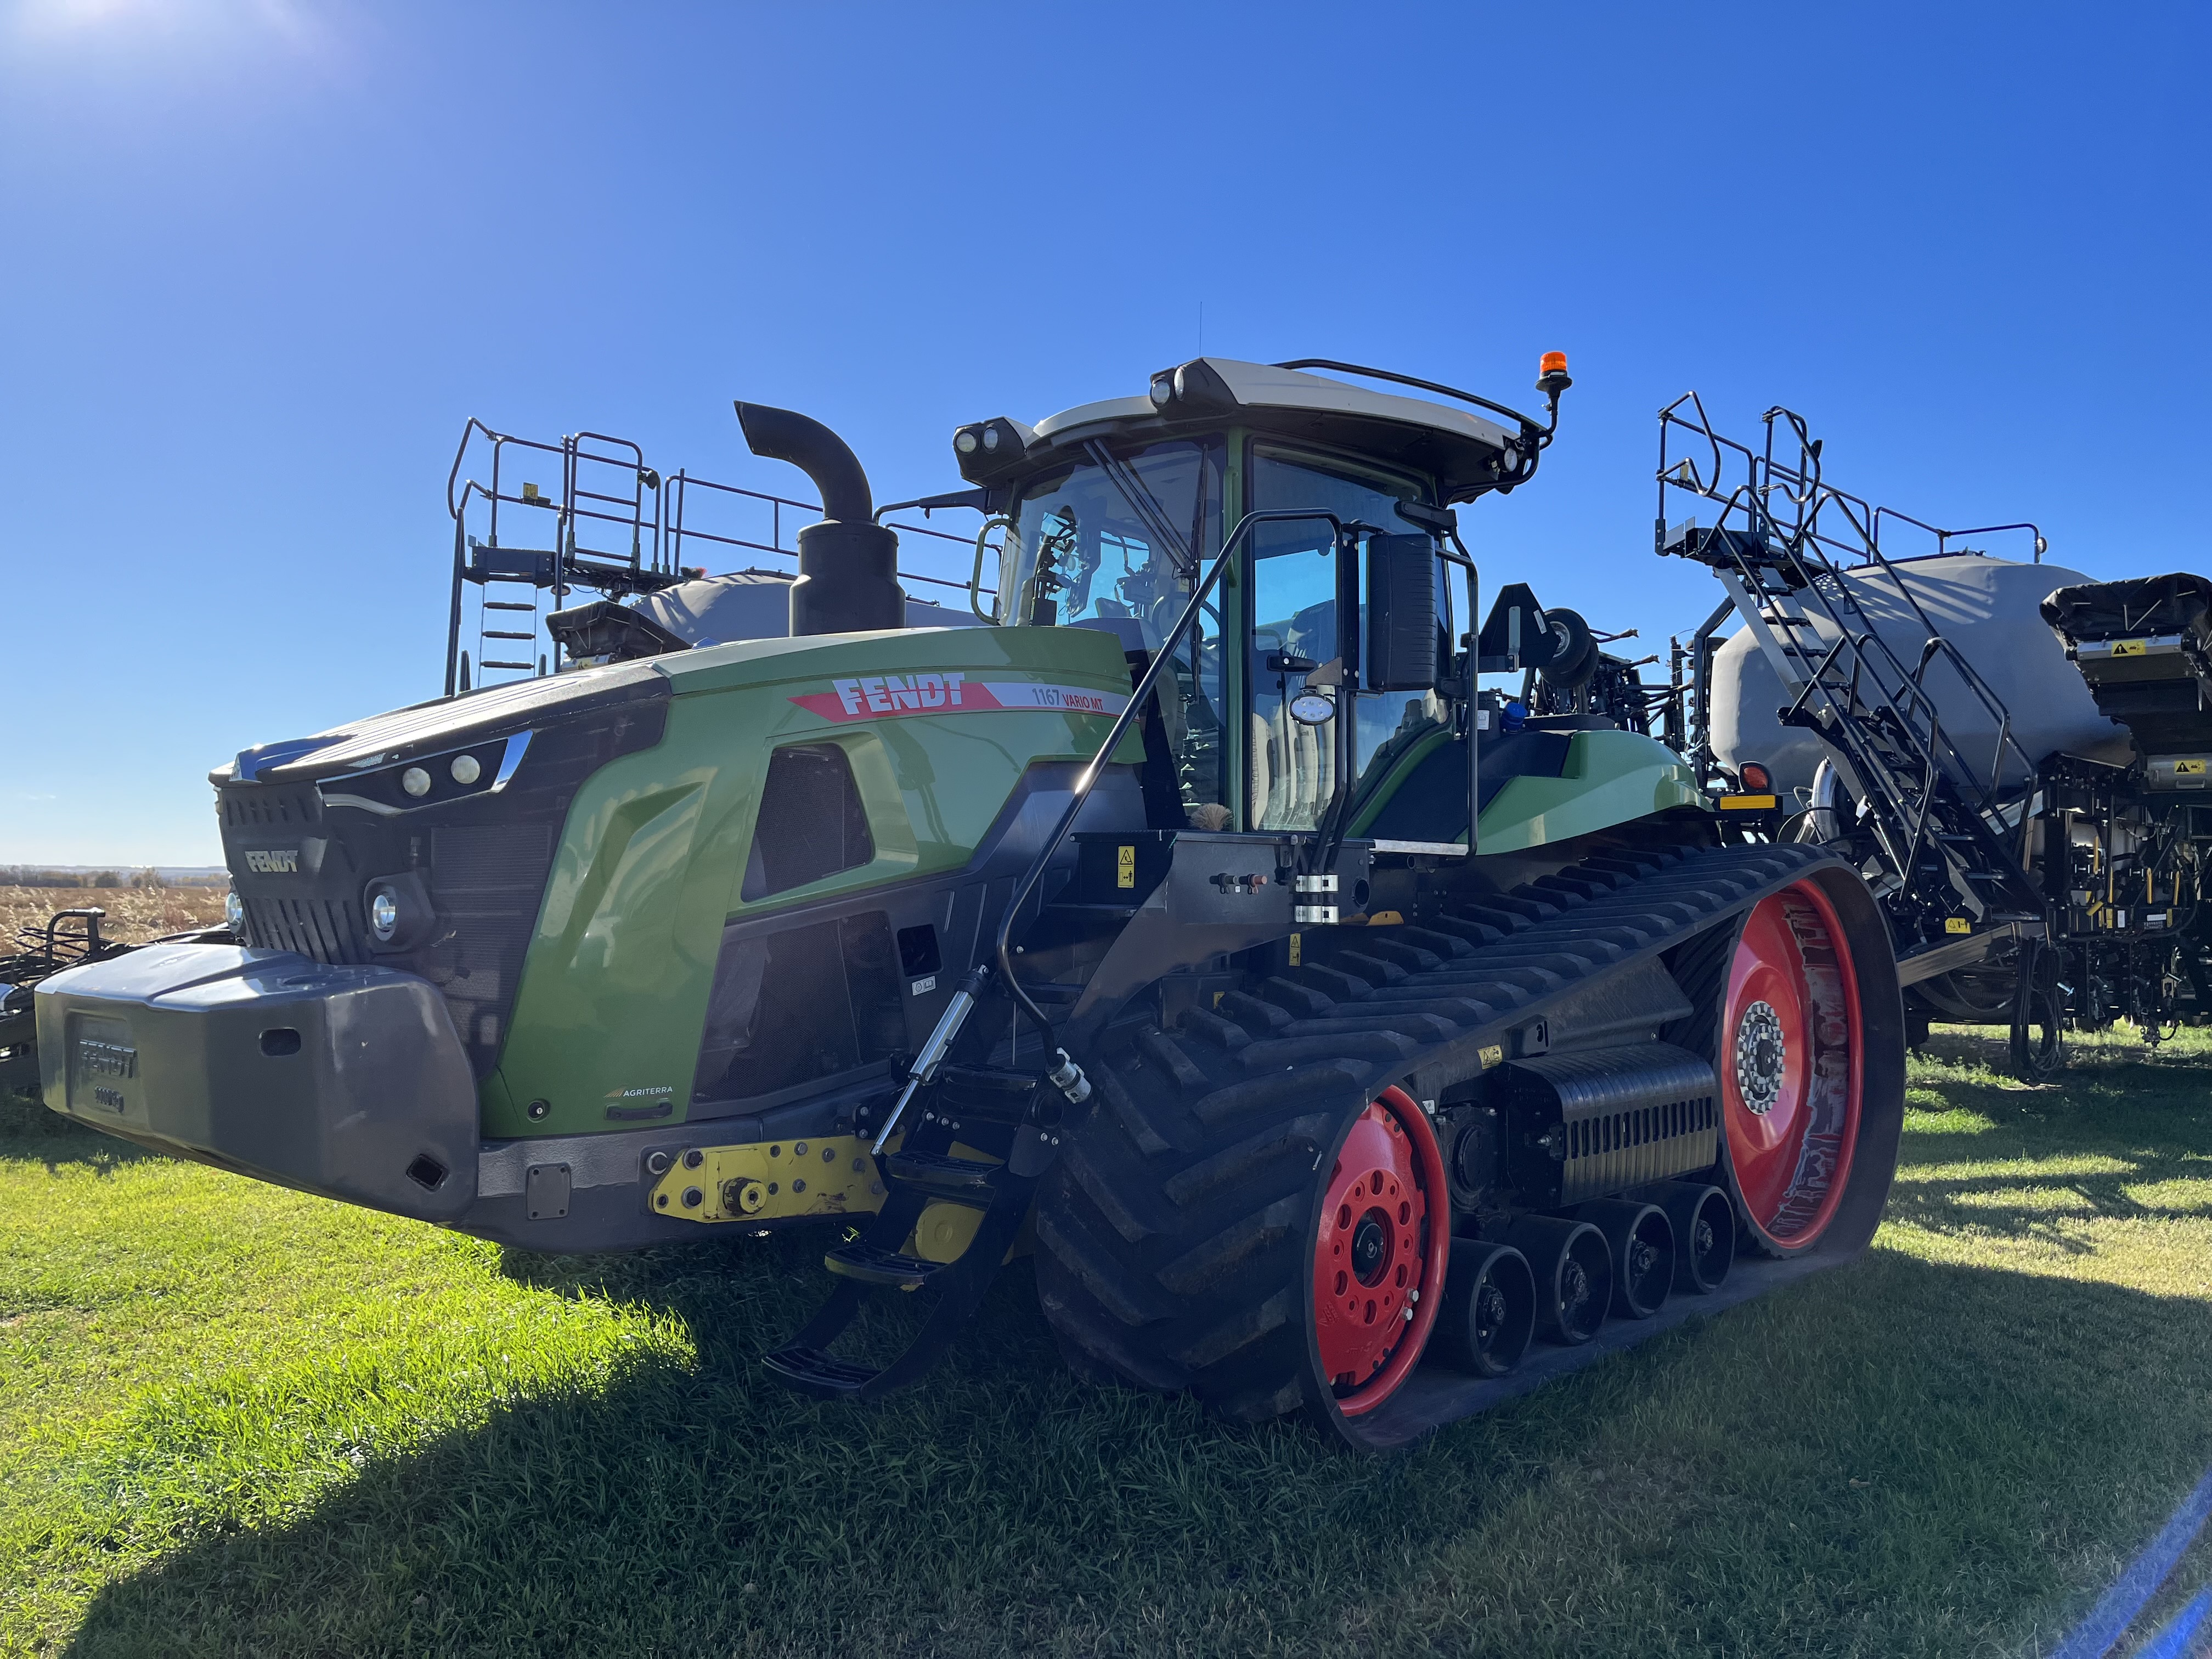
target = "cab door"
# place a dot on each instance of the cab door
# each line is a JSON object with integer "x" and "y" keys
{"x": 1303, "y": 597}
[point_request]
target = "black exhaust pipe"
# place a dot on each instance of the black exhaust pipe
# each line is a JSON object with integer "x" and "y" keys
{"x": 848, "y": 564}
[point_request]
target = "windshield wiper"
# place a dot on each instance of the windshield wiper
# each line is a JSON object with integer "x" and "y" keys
{"x": 1145, "y": 504}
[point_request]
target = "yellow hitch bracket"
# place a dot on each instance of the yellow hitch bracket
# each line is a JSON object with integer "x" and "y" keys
{"x": 770, "y": 1181}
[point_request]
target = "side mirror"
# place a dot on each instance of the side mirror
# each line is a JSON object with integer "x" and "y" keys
{"x": 1401, "y": 613}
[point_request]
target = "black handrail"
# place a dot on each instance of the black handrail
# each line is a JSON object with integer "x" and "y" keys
{"x": 1346, "y": 712}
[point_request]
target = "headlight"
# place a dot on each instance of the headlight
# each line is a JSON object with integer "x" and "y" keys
{"x": 384, "y": 916}
{"x": 233, "y": 912}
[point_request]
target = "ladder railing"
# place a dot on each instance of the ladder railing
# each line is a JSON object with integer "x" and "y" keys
{"x": 604, "y": 522}
{"x": 1782, "y": 541}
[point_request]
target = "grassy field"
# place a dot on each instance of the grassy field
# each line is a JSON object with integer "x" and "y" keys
{"x": 235, "y": 1420}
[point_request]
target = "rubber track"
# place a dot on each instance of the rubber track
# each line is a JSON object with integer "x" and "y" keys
{"x": 1171, "y": 1231}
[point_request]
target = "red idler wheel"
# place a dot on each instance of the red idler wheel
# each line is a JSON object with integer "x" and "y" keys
{"x": 1381, "y": 1242}
{"x": 1790, "y": 1069}
{"x": 1489, "y": 1310}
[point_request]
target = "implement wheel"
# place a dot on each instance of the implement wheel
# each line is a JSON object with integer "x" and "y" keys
{"x": 1791, "y": 1056}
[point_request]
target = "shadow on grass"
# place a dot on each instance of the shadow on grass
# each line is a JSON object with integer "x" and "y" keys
{"x": 1933, "y": 1448}
{"x": 2126, "y": 1118}
{"x": 28, "y": 1130}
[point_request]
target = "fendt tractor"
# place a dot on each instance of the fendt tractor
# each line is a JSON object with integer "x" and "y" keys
{"x": 1325, "y": 1024}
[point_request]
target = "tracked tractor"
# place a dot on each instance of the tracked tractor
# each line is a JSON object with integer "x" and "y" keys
{"x": 1328, "y": 1028}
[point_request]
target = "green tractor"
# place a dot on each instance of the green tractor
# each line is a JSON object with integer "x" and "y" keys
{"x": 1326, "y": 1027}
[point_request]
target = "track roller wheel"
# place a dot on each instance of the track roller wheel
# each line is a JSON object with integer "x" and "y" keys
{"x": 1573, "y": 1265}
{"x": 1704, "y": 1236}
{"x": 1488, "y": 1311}
{"x": 1790, "y": 1068}
{"x": 1642, "y": 1241}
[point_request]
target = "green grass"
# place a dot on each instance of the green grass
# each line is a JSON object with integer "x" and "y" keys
{"x": 235, "y": 1420}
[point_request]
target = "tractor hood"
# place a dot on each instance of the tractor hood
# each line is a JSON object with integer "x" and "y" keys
{"x": 426, "y": 728}
{"x": 494, "y": 726}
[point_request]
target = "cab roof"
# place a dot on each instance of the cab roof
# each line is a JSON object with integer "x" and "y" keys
{"x": 1466, "y": 454}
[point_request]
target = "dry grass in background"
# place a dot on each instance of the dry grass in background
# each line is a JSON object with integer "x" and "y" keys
{"x": 135, "y": 914}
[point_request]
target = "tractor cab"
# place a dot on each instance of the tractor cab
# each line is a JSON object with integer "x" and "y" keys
{"x": 1340, "y": 599}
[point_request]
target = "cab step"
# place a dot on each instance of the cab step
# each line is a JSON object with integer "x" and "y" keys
{"x": 945, "y": 1175}
{"x": 873, "y": 1259}
{"x": 812, "y": 1371}
{"x": 871, "y": 1264}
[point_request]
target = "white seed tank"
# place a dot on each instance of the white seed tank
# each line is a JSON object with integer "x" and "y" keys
{"x": 1985, "y": 607}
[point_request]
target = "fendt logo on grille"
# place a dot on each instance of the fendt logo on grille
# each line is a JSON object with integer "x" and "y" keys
{"x": 107, "y": 1058}
{"x": 273, "y": 861}
{"x": 873, "y": 696}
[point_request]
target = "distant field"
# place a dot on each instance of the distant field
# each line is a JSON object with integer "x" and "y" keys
{"x": 235, "y": 1420}
{"x": 134, "y": 913}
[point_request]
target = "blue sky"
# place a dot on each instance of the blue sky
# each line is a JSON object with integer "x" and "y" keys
{"x": 261, "y": 259}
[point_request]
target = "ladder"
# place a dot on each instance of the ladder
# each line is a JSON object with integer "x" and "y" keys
{"x": 1781, "y": 542}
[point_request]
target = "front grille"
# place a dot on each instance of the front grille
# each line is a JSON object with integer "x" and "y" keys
{"x": 487, "y": 880}
{"x": 268, "y": 806}
{"x": 301, "y": 865}
{"x": 329, "y": 930}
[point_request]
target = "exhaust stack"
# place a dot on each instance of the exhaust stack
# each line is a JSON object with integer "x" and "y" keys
{"x": 848, "y": 564}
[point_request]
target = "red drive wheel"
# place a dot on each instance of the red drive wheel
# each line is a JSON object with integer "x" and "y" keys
{"x": 1790, "y": 1062}
{"x": 1380, "y": 1251}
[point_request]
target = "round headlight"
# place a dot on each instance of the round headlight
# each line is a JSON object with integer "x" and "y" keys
{"x": 465, "y": 769}
{"x": 384, "y": 916}
{"x": 233, "y": 912}
{"x": 990, "y": 437}
{"x": 1163, "y": 391}
{"x": 415, "y": 780}
{"x": 965, "y": 442}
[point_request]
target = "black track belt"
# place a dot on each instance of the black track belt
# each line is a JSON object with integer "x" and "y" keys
{"x": 1173, "y": 1187}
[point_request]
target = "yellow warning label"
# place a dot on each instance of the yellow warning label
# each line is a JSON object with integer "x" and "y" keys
{"x": 1296, "y": 956}
{"x": 1125, "y": 866}
{"x": 1957, "y": 925}
{"x": 2129, "y": 647}
{"x": 1749, "y": 803}
{"x": 2189, "y": 768}
{"x": 1492, "y": 1056}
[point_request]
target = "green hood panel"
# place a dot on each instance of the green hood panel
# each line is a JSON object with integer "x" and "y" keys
{"x": 939, "y": 726}
{"x": 1610, "y": 777}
